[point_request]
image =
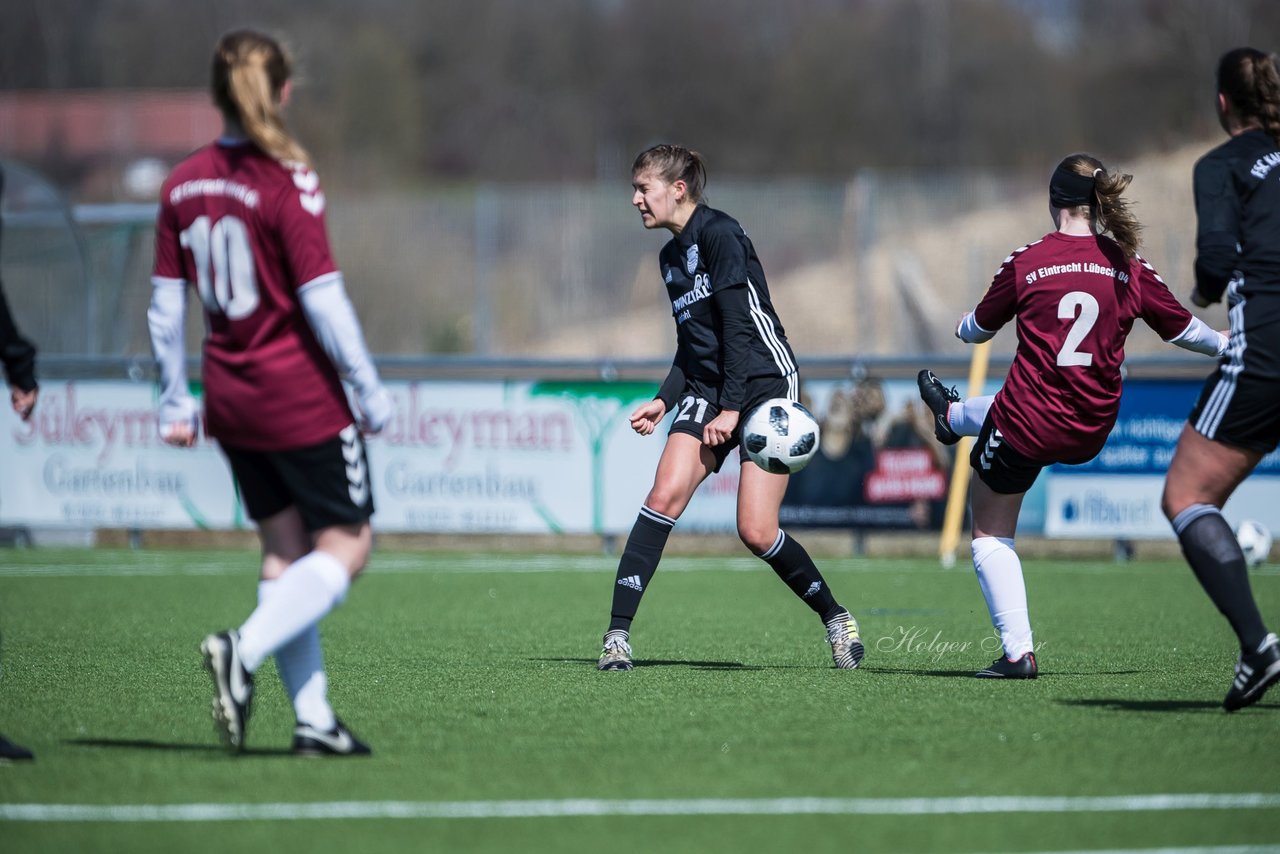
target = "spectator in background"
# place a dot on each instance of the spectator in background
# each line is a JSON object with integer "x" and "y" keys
{"x": 1075, "y": 294}
{"x": 243, "y": 220}
{"x": 1236, "y": 421}
{"x": 19, "y": 357}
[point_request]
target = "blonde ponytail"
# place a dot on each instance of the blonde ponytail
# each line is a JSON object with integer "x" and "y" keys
{"x": 249, "y": 73}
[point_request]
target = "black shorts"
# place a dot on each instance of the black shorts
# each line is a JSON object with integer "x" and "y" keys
{"x": 328, "y": 482}
{"x": 1239, "y": 409}
{"x": 699, "y": 402}
{"x": 999, "y": 466}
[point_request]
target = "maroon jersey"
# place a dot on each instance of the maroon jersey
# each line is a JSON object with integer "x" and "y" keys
{"x": 1075, "y": 299}
{"x": 249, "y": 232}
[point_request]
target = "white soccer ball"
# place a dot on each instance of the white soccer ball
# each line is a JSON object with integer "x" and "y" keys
{"x": 780, "y": 436}
{"x": 1255, "y": 541}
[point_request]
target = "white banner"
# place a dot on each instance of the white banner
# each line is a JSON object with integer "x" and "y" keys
{"x": 1128, "y": 506}
{"x": 520, "y": 457}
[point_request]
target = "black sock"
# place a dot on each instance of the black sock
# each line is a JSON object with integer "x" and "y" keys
{"x": 638, "y": 563}
{"x": 1211, "y": 548}
{"x": 794, "y": 566}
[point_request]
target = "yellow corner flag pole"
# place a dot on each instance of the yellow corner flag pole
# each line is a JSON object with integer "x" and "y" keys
{"x": 956, "y": 497}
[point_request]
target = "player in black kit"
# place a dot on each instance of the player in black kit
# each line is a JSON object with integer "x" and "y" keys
{"x": 1236, "y": 421}
{"x": 731, "y": 355}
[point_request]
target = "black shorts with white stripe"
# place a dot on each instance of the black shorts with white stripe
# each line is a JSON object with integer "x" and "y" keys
{"x": 998, "y": 465}
{"x": 328, "y": 482}
{"x": 1239, "y": 409}
{"x": 699, "y": 402}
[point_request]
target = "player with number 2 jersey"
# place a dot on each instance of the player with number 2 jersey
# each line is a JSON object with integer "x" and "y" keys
{"x": 1075, "y": 298}
{"x": 1075, "y": 295}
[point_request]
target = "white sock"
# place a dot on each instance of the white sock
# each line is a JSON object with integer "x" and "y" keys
{"x": 301, "y": 666}
{"x": 965, "y": 417}
{"x": 311, "y": 587}
{"x": 1000, "y": 576}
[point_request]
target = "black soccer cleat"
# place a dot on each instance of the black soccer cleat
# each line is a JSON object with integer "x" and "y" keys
{"x": 339, "y": 741}
{"x": 232, "y": 687}
{"x": 938, "y": 398}
{"x": 10, "y": 752}
{"x": 1255, "y": 673}
{"x": 1005, "y": 668}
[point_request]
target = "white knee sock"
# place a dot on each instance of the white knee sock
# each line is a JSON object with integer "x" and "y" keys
{"x": 1000, "y": 576}
{"x": 966, "y": 416}
{"x": 301, "y": 666}
{"x": 311, "y": 587}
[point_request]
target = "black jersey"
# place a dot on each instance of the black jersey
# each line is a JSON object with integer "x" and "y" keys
{"x": 727, "y": 332}
{"x": 1237, "y": 192}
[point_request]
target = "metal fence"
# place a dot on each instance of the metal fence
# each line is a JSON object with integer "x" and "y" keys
{"x": 879, "y": 266}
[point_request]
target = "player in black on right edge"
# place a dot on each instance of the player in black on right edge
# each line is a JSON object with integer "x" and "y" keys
{"x": 731, "y": 356}
{"x": 1236, "y": 421}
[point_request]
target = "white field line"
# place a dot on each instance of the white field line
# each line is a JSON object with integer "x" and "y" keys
{"x": 576, "y": 808}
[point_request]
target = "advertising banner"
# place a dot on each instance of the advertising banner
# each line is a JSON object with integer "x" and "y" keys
{"x": 1117, "y": 494}
{"x": 526, "y": 457}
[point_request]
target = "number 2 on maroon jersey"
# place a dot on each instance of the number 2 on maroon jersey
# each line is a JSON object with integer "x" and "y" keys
{"x": 1070, "y": 355}
{"x": 225, "y": 276}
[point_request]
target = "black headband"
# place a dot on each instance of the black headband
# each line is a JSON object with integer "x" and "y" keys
{"x": 1068, "y": 189}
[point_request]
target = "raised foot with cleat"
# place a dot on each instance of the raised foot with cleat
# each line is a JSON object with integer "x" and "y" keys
{"x": 938, "y": 398}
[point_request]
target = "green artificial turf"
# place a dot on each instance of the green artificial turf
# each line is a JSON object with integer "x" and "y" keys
{"x": 473, "y": 678}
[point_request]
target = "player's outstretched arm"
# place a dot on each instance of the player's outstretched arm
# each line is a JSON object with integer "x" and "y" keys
{"x": 1199, "y": 338}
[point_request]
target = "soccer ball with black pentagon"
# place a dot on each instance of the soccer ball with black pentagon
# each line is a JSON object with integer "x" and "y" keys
{"x": 1255, "y": 541}
{"x": 780, "y": 436}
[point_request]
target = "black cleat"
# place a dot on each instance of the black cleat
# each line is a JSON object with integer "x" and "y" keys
{"x": 309, "y": 741}
{"x": 1255, "y": 673}
{"x": 1004, "y": 668}
{"x": 232, "y": 687}
{"x": 10, "y": 752}
{"x": 938, "y": 398}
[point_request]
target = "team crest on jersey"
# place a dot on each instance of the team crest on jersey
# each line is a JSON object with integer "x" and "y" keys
{"x": 691, "y": 259}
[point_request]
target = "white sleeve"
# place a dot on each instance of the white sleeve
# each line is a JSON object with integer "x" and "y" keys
{"x": 1198, "y": 337}
{"x": 333, "y": 320}
{"x": 166, "y": 319}
{"x": 970, "y": 332}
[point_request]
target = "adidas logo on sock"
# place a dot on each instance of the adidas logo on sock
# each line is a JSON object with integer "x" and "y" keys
{"x": 813, "y": 588}
{"x": 632, "y": 581}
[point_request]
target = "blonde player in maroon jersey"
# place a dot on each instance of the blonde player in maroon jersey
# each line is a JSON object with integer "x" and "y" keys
{"x": 242, "y": 220}
{"x": 1075, "y": 293}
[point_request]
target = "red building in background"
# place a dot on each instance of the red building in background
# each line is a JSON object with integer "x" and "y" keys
{"x": 105, "y": 144}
